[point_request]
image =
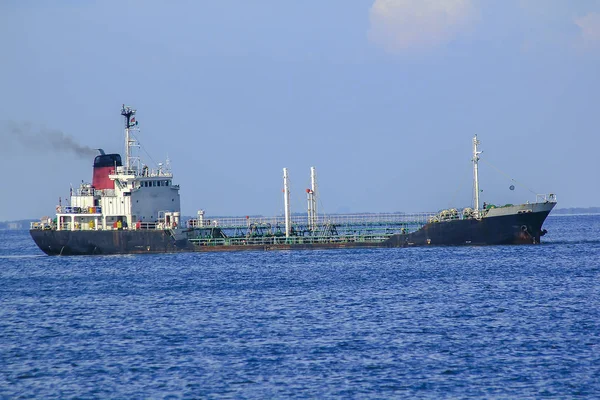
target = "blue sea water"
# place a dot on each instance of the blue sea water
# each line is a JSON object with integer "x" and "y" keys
{"x": 454, "y": 322}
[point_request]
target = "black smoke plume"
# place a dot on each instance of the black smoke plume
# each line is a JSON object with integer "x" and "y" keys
{"x": 25, "y": 135}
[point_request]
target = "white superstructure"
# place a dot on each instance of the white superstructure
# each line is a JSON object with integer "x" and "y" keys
{"x": 130, "y": 196}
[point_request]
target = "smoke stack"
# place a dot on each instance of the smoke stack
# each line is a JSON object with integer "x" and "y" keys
{"x": 104, "y": 165}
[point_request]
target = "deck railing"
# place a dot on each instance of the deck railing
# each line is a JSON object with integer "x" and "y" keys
{"x": 322, "y": 220}
{"x": 545, "y": 198}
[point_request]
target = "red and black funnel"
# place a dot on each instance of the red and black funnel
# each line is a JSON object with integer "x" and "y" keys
{"x": 104, "y": 165}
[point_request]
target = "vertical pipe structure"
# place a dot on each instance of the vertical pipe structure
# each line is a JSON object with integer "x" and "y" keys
{"x": 313, "y": 198}
{"x": 129, "y": 114}
{"x": 475, "y": 160}
{"x": 127, "y": 155}
{"x": 286, "y": 202}
{"x": 309, "y": 195}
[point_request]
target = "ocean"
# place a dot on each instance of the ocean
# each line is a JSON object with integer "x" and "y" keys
{"x": 439, "y": 322}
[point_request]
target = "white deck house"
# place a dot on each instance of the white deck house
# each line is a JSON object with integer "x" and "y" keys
{"x": 142, "y": 198}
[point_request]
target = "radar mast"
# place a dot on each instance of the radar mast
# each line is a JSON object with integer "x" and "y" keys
{"x": 130, "y": 122}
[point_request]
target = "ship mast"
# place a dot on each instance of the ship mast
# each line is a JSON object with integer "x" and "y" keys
{"x": 286, "y": 202}
{"x": 312, "y": 200}
{"x": 475, "y": 160}
{"x": 130, "y": 122}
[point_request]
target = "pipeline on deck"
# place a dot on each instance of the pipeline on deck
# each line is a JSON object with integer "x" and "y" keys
{"x": 327, "y": 229}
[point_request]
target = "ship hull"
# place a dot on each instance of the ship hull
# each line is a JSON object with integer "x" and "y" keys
{"x": 54, "y": 242}
{"x": 498, "y": 230}
{"x": 510, "y": 228}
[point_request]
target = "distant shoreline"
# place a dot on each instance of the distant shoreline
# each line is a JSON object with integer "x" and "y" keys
{"x": 552, "y": 214}
{"x": 570, "y": 215}
{"x": 576, "y": 211}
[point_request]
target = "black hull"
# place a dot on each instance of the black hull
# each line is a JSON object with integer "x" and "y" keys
{"x": 523, "y": 228}
{"x": 506, "y": 229}
{"x": 54, "y": 242}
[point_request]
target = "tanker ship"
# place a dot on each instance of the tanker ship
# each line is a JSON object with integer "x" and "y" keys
{"x": 129, "y": 208}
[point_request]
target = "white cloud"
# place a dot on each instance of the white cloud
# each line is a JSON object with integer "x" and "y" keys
{"x": 397, "y": 25}
{"x": 590, "y": 27}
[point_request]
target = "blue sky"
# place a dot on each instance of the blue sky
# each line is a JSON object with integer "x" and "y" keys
{"x": 381, "y": 96}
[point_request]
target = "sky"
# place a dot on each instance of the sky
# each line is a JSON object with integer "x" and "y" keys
{"x": 383, "y": 97}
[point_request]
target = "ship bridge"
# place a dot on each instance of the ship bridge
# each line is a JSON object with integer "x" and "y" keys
{"x": 124, "y": 194}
